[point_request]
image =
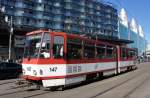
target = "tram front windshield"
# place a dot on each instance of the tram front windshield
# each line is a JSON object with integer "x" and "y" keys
{"x": 37, "y": 46}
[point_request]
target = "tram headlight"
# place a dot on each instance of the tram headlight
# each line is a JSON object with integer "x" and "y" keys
{"x": 34, "y": 72}
{"x": 41, "y": 72}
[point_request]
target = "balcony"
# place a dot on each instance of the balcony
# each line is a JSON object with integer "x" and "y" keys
{"x": 38, "y": 16}
{"x": 68, "y": 0}
{"x": 19, "y": 13}
{"x": 68, "y": 21}
{"x": 57, "y": 26}
{"x": 20, "y": 5}
{"x": 39, "y": 7}
{"x": 57, "y": 19}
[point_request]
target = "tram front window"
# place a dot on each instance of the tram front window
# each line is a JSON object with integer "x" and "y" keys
{"x": 38, "y": 46}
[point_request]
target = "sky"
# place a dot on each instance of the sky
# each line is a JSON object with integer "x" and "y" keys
{"x": 139, "y": 9}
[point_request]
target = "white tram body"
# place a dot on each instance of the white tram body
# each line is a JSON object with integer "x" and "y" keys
{"x": 61, "y": 59}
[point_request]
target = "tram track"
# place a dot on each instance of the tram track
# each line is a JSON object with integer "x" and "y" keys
{"x": 122, "y": 83}
{"x": 16, "y": 87}
{"x": 34, "y": 95}
{"x": 31, "y": 92}
{"x": 136, "y": 87}
{"x": 103, "y": 92}
{"x": 103, "y": 88}
{"x": 7, "y": 82}
{"x": 22, "y": 90}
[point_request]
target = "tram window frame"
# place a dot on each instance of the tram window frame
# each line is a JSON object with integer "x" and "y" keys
{"x": 89, "y": 50}
{"x": 45, "y": 46}
{"x": 115, "y": 52}
{"x": 131, "y": 53}
{"x": 101, "y": 54}
{"x": 74, "y": 49}
{"x": 123, "y": 53}
{"x": 58, "y": 47}
{"x": 110, "y": 52}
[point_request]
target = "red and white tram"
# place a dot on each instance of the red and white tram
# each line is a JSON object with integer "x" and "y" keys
{"x": 61, "y": 59}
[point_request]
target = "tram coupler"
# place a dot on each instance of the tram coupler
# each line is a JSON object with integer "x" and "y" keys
{"x": 29, "y": 83}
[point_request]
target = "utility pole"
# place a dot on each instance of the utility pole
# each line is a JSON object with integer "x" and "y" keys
{"x": 10, "y": 37}
{"x": 10, "y": 23}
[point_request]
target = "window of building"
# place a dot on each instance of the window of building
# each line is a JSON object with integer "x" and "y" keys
{"x": 27, "y": 20}
{"x": 57, "y": 4}
{"x": 30, "y": 12}
{"x": 40, "y": 1}
{"x": 47, "y": 23}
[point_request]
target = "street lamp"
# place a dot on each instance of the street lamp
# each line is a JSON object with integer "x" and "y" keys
{"x": 10, "y": 38}
{"x": 10, "y": 23}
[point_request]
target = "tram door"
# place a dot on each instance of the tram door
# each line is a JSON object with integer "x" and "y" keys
{"x": 118, "y": 57}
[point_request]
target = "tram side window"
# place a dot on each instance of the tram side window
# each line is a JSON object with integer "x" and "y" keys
{"x": 111, "y": 51}
{"x": 101, "y": 51}
{"x": 131, "y": 54}
{"x": 58, "y": 47}
{"x": 89, "y": 51}
{"x": 74, "y": 49}
{"x": 124, "y": 54}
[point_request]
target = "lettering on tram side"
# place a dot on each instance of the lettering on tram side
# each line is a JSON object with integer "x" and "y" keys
{"x": 79, "y": 69}
{"x": 28, "y": 68}
{"x": 53, "y": 69}
{"x": 74, "y": 69}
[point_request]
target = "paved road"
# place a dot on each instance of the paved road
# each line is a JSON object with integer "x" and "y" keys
{"x": 134, "y": 84}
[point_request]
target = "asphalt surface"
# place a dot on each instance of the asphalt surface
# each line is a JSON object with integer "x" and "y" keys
{"x": 133, "y": 84}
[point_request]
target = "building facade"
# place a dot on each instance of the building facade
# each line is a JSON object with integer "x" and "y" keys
{"x": 73, "y": 16}
{"x": 93, "y": 17}
{"x": 134, "y": 34}
{"x": 148, "y": 50}
{"x": 132, "y": 31}
{"x": 123, "y": 25}
{"x": 142, "y": 42}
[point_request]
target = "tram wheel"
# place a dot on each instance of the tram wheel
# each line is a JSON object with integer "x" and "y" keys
{"x": 100, "y": 75}
{"x": 61, "y": 88}
{"x": 38, "y": 87}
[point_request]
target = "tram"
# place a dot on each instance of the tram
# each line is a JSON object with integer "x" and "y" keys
{"x": 58, "y": 59}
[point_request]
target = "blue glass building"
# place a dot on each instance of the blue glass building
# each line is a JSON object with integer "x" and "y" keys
{"x": 132, "y": 31}
{"x": 123, "y": 25}
{"x": 134, "y": 37}
{"x": 142, "y": 42}
{"x": 123, "y": 31}
{"x": 73, "y": 16}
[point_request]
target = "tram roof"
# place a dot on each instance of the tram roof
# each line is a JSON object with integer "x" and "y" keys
{"x": 110, "y": 39}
